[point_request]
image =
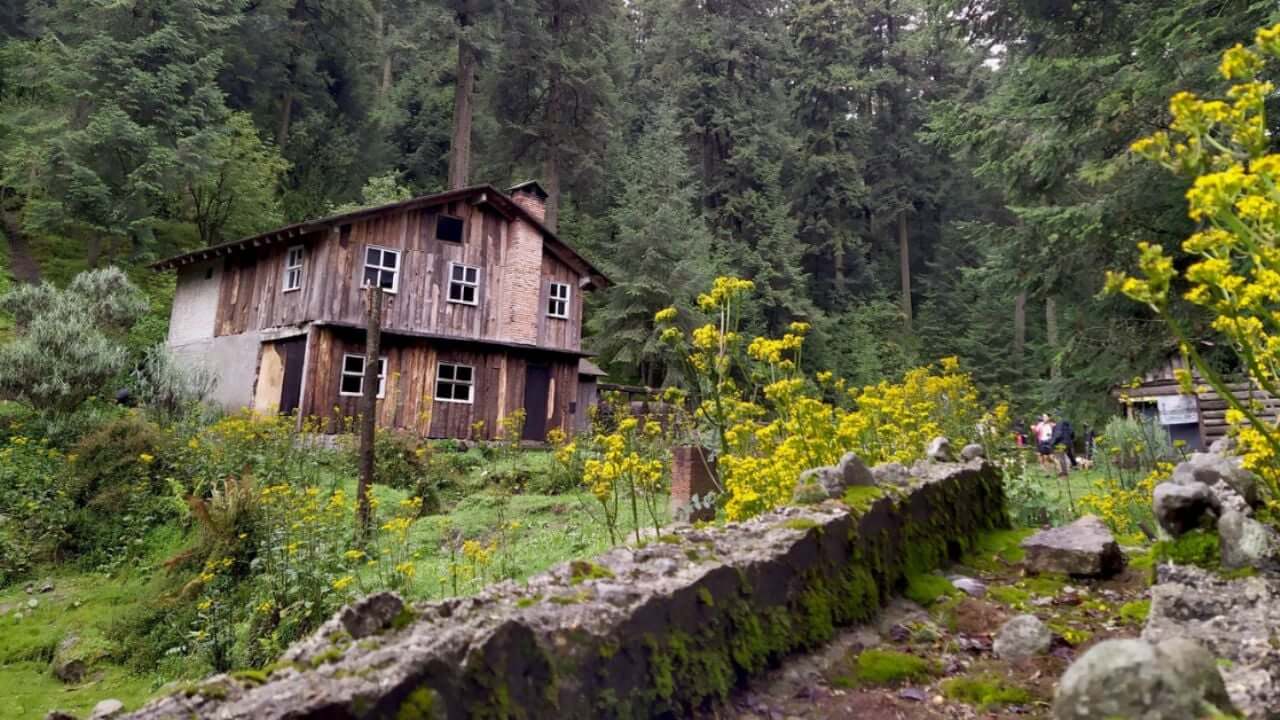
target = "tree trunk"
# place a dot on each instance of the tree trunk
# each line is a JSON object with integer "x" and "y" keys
{"x": 904, "y": 257}
{"x": 1051, "y": 335}
{"x": 1019, "y": 328}
{"x": 286, "y": 115}
{"x": 551, "y": 163}
{"x": 369, "y": 409}
{"x": 463, "y": 89}
{"x": 22, "y": 263}
{"x": 380, "y": 31}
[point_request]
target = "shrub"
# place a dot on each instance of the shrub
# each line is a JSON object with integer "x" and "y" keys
{"x": 268, "y": 448}
{"x": 1135, "y": 444}
{"x": 1234, "y": 268}
{"x": 68, "y": 343}
{"x": 770, "y": 421}
{"x": 170, "y": 388}
{"x": 34, "y": 512}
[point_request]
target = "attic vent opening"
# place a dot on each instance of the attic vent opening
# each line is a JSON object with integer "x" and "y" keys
{"x": 449, "y": 228}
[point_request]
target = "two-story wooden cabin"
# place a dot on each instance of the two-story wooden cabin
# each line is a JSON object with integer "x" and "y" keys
{"x": 484, "y": 314}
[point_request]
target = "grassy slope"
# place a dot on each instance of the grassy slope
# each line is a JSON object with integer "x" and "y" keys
{"x": 552, "y": 528}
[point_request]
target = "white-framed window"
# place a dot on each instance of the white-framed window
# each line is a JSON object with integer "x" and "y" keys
{"x": 352, "y": 380}
{"x": 382, "y": 268}
{"x": 558, "y": 300}
{"x": 293, "y": 268}
{"x": 454, "y": 382}
{"x": 464, "y": 283}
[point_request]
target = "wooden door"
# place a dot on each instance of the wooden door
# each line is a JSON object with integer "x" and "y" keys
{"x": 294, "y": 351}
{"x": 537, "y": 385}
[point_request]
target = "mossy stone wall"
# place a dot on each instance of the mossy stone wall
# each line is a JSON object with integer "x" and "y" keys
{"x": 647, "y": 632}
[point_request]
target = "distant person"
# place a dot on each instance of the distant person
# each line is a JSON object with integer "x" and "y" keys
{"x": 1020, "y": 433}
{"x": 1090, "y": 442}
{"x": 1044, "y": 441}
{"x": 1064, "y": 436}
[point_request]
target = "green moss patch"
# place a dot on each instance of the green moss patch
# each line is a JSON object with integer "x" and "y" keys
{"x": 985, "y": 691}
{"x": 1046, "y": 585}
{"x": 580, "y": 571}
{"x": 1009, "y": 595}
{"x": 862, "y": 497}
{"x": 1198, "y": 547}
{"x": 994, "y": 548}
{"x": 927, "y": 588}
{"x": 886, "y": 667}
{"x": 799, "y": 523}
{"x": 1135, "y": 612}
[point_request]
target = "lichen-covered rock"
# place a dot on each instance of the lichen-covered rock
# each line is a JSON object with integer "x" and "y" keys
{"x": 972, "y": 451}
{"x": 891, "y": 473}
{"x": 1223, "y": 445}
{"x": 939, "y": 450}
{"x": 854, "y": 472}
{"x": 636, "y": 632}
{"x": 1245, "y": 542}
{"x": 1211, "y": 469}
{"x": 1023, "y": 636}
{"x": 1181, "y": 508}
{"x": 831, "y": 481}
{"x": 1086, "y": 547}
{"x": 1137, "y": 680}
{"x": 1237, "y": 619}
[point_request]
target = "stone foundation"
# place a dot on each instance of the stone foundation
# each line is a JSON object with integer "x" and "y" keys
{"x": 636, "y": 633}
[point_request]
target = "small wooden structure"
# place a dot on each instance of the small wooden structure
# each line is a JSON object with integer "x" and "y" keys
{"x": 1197, "y": 419}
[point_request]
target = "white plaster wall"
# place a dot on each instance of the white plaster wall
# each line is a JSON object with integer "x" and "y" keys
{"x": 233, "y": 358}
{"x": 195, "y": 302}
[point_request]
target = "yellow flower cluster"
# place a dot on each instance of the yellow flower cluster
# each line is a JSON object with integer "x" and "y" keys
{"x": 1125, "y": 508}
{"x": 1235, "y": 274}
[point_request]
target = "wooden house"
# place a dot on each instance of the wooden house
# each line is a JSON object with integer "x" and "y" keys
{"x": 1198, "y": 419}
{"x": 483, "y": 316}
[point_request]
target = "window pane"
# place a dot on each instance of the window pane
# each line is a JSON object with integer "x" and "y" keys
{"x": 372, "y": 256}
{"x": 457, "y": 272}
{"x": 444, "y": 390}
{"x": 351, "y": 383}
{"x": 468, "y": 294}
{"x": 370, "y": 276}
{"x": 473, "y": 274}
{"x": 463, "y": 373}
{"x": 387, "y": 279}
{"x": 462, "y": 392}
{"x": 389, "y": 258}
{"x": 382, "y": 367}
{"x": 455, "y": 291}
{"x": 353, "y": 363}
{"x": 446, "y": 372}
{"x": 449, "y": 228}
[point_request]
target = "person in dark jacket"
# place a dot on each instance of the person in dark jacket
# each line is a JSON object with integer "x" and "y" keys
{"x": 1064, "y": 436}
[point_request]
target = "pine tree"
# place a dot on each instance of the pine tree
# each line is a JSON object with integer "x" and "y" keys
{"x": 659, "y": 253}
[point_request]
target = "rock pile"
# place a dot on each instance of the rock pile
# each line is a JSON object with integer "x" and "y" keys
{"x": 1215, "y": 493}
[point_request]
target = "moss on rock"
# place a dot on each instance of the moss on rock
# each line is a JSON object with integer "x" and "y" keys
{"x": 886, "y": 667}
{"x": 985, "y": 691}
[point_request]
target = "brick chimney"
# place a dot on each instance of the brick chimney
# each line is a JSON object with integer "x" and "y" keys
{"x": 530, "y": 196}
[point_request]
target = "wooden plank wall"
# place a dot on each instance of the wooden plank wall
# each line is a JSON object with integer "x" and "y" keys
{"x": 1213, "y": 409}
{"x": 555, "y": 332}
{"x": 250, "y": 296}
{"x": 411, "y": 370}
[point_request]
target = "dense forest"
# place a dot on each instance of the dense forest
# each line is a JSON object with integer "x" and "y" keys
{"x": 916, "y": 178}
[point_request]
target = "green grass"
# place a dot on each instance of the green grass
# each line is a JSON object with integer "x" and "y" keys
{"x": 926, "y": 588}
{"x": 83, "y": 604}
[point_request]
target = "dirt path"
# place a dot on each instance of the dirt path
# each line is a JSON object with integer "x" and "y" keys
{"x": 953, "y": 636}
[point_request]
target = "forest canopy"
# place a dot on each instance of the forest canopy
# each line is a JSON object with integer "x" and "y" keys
{"x": 914, "y": 178}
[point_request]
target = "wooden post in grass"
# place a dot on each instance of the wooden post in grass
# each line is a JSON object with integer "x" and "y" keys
{"x": 368, "y": 407}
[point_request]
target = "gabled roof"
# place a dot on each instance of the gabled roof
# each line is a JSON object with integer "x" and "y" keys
{"x": 479, "y": 194}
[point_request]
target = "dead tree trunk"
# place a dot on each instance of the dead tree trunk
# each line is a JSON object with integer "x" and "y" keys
{"x": 1019, "y": 328}
{"x": 22, "y": 263}
{"x": 1051, "y": 335}
{"x": 369, "y": 408}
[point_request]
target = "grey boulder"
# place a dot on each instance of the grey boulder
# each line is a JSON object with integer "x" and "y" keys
{"x": 1022, "y": 636}
{"x": 1245, "y": 542}
{"x": 1085, "y": 547}
{"x": 939, "y": 450}
{"x": 1182, "y": 508}
{"x": 1211, "y": 469}
{"x": 818, "y": 484}
{"x": 1137, "y": 680}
